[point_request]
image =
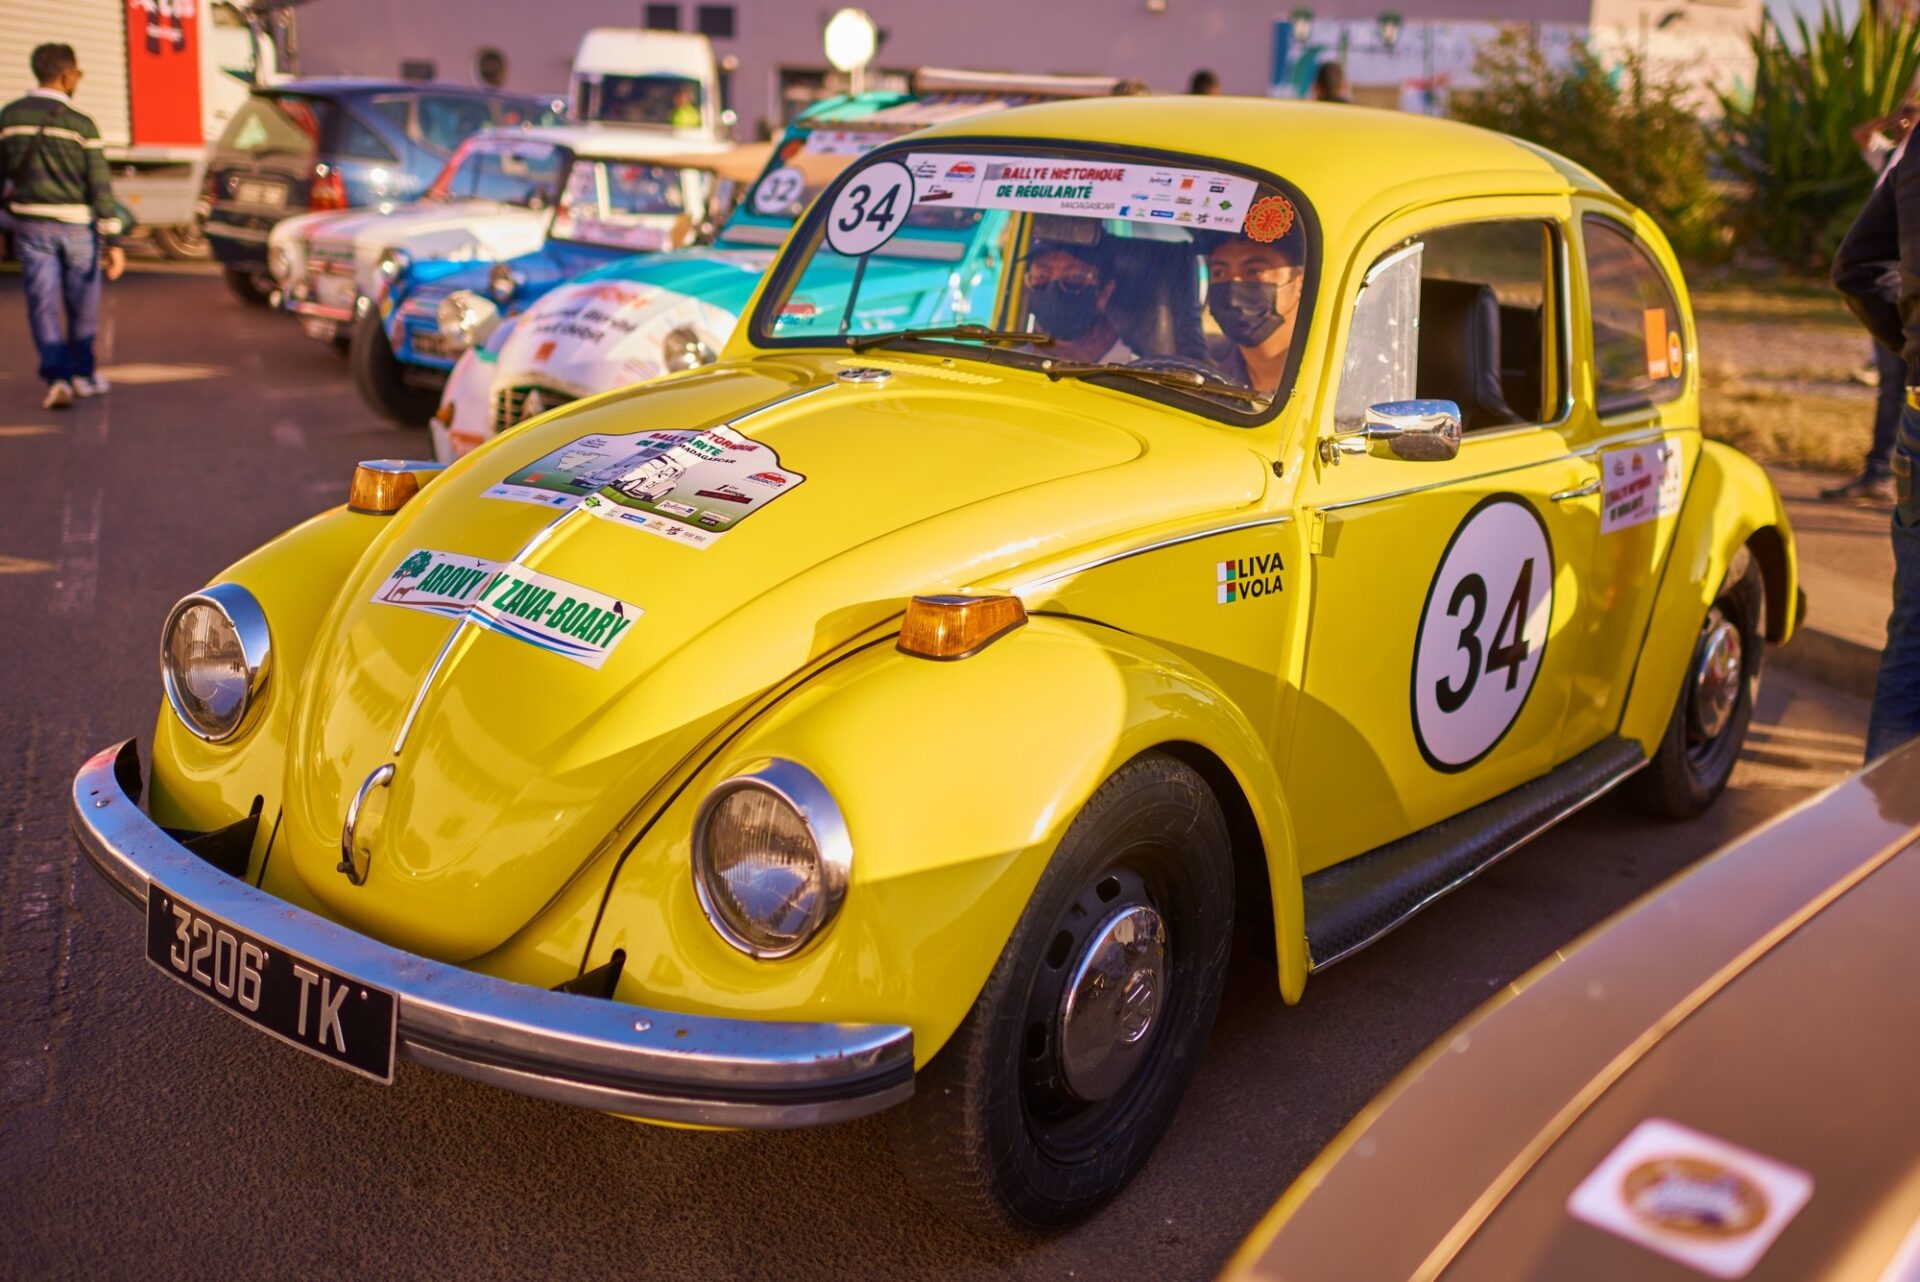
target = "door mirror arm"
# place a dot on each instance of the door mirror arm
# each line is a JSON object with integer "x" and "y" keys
{"x": 1415, "y": 431}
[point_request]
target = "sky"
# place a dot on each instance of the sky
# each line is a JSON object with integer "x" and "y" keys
{"x": 1787, "y": 8}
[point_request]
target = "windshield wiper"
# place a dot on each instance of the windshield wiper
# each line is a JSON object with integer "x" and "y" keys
{"x": 973, "y": 333}
{"x": 1185, "y": 379}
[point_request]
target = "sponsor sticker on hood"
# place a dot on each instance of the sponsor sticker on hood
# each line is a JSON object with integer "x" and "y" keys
{"x": 678, "y": 485}
{"x": 1712, "y": 1206}
{"x": 537, "y": 609}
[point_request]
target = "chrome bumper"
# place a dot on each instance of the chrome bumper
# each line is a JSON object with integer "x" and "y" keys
{"x": 572, "y": 1049}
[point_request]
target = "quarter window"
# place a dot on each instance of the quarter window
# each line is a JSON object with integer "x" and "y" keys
{"x": 1639, "y": 349}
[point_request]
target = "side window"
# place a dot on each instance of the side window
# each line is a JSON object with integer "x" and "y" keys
{"x": 1639, "y": 351}
{"x": 1463, "y": 314}
{"x": 445, "y": 123}
{"x": 396, "y": 110}
{"x": 360, "y": 142}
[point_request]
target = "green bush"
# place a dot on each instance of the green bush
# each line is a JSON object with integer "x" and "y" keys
{"x": 1633, "y": 130}
{"x": 1792, "y": 142}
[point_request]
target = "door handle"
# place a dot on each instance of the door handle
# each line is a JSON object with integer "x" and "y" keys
{"x": 1578, "y": 491}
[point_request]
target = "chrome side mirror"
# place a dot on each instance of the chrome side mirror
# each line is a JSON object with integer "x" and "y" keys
{"x": 1417, "y": 431}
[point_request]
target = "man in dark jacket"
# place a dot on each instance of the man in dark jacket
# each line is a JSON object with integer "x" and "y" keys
{"x": 66, "y": 222}
{"x": 1886, "y": 237}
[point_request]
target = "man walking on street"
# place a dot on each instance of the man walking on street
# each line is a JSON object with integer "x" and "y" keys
{"x": 1886, "y": 236}
{"x": 58, "y": 191}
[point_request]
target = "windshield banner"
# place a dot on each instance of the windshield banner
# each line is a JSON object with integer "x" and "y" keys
{"x": 1082, "y": 189}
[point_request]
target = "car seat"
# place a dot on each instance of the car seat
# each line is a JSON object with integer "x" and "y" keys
{"x": 1460, "y": 351}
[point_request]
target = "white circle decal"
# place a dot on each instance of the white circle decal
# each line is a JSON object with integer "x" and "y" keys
{"x": 1482, "y": 632}
{"x": 870, "y": 208}
{"x": 776, "y": 193}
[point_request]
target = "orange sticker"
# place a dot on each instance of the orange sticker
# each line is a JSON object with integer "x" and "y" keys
{"x": 1654, "y": 320}
{"x": 1269, "y": 219}
{"x": 1676, "y": 358}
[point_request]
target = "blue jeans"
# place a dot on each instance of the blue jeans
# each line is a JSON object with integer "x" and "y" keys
{"x": 1892, "y": 368}
{"x": 62, "y": 266}
{"x": 1896, "y": 694}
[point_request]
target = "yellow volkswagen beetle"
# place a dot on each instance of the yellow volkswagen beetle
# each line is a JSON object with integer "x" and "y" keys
{"x": 1113, "y": 522}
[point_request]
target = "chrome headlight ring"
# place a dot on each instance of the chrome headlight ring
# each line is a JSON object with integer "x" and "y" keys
{"x": 235, "y": 611}
{"x": 684, "y": 349}
{"x": 502, "y": 283}
{"x": 466, "y": 319}
{"x": 393, "y": 262}
{"x": 799, "y": 790}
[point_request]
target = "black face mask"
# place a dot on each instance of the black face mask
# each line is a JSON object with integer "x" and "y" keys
{"x": 1248, "y": 310}
{"x": 1066, "y": 310}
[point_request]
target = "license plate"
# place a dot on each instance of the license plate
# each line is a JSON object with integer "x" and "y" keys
{"x": 320, "y": 327}
{"x": 301, "y": 1002}
{"x": 334, "y": 291}
{"x": 427, "y": 343}
{"x": 253, "y": 191}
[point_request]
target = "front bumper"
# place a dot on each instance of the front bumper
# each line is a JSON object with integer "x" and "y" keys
{"x": 572, "y": 1049}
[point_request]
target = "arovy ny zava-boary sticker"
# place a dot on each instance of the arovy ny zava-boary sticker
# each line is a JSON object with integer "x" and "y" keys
{"x": 512, "y": 600}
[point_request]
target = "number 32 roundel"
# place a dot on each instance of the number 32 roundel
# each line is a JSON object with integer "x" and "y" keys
{"x": 1482, "y": 632}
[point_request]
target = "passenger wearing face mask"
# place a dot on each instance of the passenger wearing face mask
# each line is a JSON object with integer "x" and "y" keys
{"x": 1253, "y": 292}
{"x": 1068, "y": 289}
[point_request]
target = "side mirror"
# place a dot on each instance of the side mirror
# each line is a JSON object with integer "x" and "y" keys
{"x": 1417, "y": 431}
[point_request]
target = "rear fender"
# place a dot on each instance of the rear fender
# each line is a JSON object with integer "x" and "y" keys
{"x": 1730, "y": 504}
{"x": 957, "y": 781}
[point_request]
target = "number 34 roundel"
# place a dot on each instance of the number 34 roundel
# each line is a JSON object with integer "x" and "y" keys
{"x": 1482, "y": 632}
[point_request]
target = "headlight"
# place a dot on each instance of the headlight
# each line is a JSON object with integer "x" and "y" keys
{"x": 770, "y": 858}
{"x": 502, "y": 281}
{"x": 466, "y": 319}
{"x": 213, "y": 659}
{"x": 393, "y": 262}
{"x": 280, "y": 263}
{"x": 684, "y": 349}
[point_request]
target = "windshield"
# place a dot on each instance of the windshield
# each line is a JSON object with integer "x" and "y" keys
{"x": 1185, "y": 276}
{"x": 806, "y": 161}
{"x": 513, "y": 173}
{"x": 642, "y": 100}
{"x": 624, "y": 206}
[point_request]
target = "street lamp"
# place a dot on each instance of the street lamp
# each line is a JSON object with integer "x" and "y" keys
{"x": 1302, "y": 20}
{"x": 1389, "y": 24}
{"x": 850, "y": 40}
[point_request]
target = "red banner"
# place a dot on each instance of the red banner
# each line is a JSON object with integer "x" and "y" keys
{"x": 163, "y": 72}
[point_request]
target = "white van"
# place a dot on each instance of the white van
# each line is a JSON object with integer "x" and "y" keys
{"x": 653, "y": 79}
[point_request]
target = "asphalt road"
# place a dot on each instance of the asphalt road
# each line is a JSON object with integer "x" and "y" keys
{"x": 144, "y": 1133}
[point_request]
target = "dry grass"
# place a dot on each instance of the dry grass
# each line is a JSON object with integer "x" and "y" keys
{"x": 1791, "y": 427}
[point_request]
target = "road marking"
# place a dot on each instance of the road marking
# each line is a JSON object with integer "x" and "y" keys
{"x": 79, "y": 577}
{"x": 28, "y": 430}
{"x": 23, "y": 565}
{"x": 154, "y": 372}
{"x": 1837, "y": 738}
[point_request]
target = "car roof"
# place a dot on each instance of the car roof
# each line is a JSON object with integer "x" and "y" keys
{"x": 381, "y": 84}
{"x": 1340, "y": 156}
{"x": 601, "y": 141}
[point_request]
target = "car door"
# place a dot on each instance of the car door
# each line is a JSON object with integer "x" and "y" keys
{"x": 1445, "y": 601}
{"x": 1642, "y": 427}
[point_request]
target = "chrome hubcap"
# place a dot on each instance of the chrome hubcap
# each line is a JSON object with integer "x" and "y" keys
{"x": 1113, "y": 994}
{"x": 1716, "y": 679}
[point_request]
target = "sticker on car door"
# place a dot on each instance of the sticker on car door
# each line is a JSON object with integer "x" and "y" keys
{"x": 1483, "y": 632}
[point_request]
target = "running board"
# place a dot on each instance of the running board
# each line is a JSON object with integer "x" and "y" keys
{"x": 1355, "y": 902}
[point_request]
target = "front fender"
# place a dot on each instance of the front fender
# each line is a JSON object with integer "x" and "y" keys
{"x": 1730, "y": 503}
{"x": 200, "y": 786}
{"x": 957, "y": 781}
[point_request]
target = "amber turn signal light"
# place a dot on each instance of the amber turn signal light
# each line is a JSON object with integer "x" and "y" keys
{"x": 953, "y": 627}
{"x": 382, "y": 486}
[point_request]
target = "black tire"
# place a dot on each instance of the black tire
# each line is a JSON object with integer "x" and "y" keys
{"x": 1695, "y": 759}
{"x": 245, "y": 286}
{"x": 995, "y": 1134}
{"x": 184, "y": 243}
{"x": 377, "y": 376}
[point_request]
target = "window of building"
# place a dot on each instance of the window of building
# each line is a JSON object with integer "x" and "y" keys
{"x": 423, "y": 70}
{"x": 1639, "y": 351}
{"x": 715, "y": 21}
{"x": 661, "y": 17}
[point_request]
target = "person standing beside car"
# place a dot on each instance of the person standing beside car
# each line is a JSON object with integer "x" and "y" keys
{"x": 66, "y": 222}
{"x": 1884, "y": 238}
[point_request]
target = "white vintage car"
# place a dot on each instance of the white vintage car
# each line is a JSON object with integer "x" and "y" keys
{"x": 643, "y": 316}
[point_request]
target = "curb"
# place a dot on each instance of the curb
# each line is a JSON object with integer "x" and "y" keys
{"x": 1846, "y": 665}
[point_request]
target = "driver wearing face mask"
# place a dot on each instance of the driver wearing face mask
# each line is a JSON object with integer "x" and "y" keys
{"x": 1253, "y": 293}
{"x": 1068, "y": 289}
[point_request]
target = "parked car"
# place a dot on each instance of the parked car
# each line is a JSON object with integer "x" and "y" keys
{"x": 675, "y": 311}
{"x": 491, "y": 201}
{"x": 919, "y": 746}
{"x": 626, "y": 191}
{"x": 327, "y": 144}
{"x": 1714, "y": 1083}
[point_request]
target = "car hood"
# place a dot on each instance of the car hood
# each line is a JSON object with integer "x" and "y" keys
{"x": 524, "y": 753}
{"x": 605, "y": 329}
